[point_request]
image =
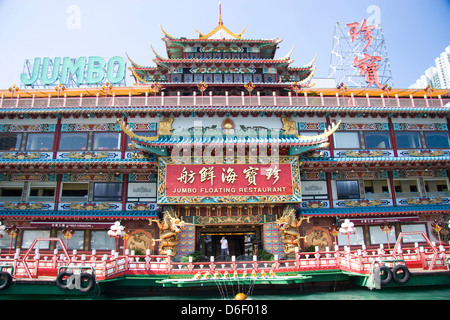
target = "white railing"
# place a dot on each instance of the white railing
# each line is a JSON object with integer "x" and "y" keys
{"x": 162, "y": 102}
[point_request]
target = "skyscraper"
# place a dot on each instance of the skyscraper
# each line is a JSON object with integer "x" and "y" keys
{"x": 437, "y": 77}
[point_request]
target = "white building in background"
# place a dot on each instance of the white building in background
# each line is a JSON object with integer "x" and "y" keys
{"x": 437, "y": 77}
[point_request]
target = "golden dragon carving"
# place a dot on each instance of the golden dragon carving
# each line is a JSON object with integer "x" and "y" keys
{"x": 169, "y": 230}
{"x": 289, "y": 224}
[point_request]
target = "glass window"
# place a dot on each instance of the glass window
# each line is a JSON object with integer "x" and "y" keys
{"x": 5, "y": 242}
{"x": 437, "y": 140}
{"x": 413, "y": 228}
{"x": 73, "y": 141}
{"x": 348, "y": 189}
{"x": 346, "y": 140}
{"x": 355, "y": 239}
{"x": 407, "y": 140}
{"x": 108, "y": 191}
{"x": 10, "y": 141}
{"x": 74, "y": 191}
{"x": 101, "y": 241}
{"x": 377, "y": 140}
{"x": 377, "y": 235}
{"x": 106, "y": 141}
{"x": 141, "y": 191}
{"x": 30, "y": 235}
{"x": 75, "y": 242}
{"x": 40, "y": 141}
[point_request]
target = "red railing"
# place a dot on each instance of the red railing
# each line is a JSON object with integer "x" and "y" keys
{"x": 34, "y": 264}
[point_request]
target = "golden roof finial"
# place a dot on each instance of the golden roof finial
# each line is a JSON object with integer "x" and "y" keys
{"x": 220, "y": 14}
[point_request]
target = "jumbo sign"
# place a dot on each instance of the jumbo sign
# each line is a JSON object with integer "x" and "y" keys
{"x": 73, "y": 72}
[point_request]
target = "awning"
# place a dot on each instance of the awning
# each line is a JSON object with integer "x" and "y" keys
{"x": 370, "y": 211}
{"x": 81, "y": 214}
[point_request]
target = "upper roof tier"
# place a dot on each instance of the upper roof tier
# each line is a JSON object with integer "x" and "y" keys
{"x": 221, "y": 56}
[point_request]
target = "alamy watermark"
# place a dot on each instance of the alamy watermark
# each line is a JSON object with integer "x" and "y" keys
{"x": 73, "y": 21}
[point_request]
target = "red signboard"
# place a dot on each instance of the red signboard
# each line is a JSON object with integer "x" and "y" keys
{"x": 214, "y": 180}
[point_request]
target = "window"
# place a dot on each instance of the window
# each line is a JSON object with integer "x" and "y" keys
{"x": 413, "y": 228}
{"x": 11, "y": 193}
{"x": 40, "y": 141}
{"x": 74, "y": 191}
{"x": 346, "y": 140}
{"x": 348, "y": 189}
{"x": 5, "y": 242}
{"x": 106, "y": 141}
{"x": 75, "y": 242}
{"x": 10, "y": 141}
{"x": 406, "y": 186}
{"x": 408, "y": 140}
{"x": 141, "y": 191}
{"x": 108, "y": 191}
{"x": 355, "y": 239}
{"x": 377, "y": 140}
{"x": 42, "y": 192}
{"x": 30, "y": 235}
{"x": 437, "y": 140}
{"x": 73, "y": 141}
{"x": 376, "y": 189}
{"x": 434, "y": 186}
{"x": 314, "y": 190}
{"x": 101, "y": 241}
{"x": 377, "y": 235}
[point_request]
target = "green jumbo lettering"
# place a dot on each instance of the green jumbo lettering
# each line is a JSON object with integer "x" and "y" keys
{"x": 83, "y": 71}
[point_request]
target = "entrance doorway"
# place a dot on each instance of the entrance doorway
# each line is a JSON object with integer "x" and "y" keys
{"x": 242, "y": 242}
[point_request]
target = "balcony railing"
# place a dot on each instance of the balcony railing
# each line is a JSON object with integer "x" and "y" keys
{"x": 360, "y": 103}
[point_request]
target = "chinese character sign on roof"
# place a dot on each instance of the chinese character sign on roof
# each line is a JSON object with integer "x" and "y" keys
{"x": 359, "y": 57}
{"x": 368, "y": 66}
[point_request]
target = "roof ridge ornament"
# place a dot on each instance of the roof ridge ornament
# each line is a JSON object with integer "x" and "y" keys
{"x": 220, "y": 14}
{"x": 220, "y": 27}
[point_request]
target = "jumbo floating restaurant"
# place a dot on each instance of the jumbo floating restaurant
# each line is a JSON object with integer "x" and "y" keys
{"x": 220, "y": 138}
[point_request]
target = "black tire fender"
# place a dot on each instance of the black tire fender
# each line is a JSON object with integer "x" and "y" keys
{"x": 87, "y": 281}
{"x": 5, "y": 280}
{"x": 387, "y": 271}
{"x": 398, "y": 270}
{"x": 61, "y": 280}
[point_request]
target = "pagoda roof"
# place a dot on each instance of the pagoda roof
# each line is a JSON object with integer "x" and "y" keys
{"x": 237, "y": 40}
{"x": 285, "y": 60}
{"x": 216, "y": 137}
{"x": 219, "y": 33}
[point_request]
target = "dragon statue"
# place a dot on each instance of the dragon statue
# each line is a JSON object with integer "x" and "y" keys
{"x": 169, "y": 229}
{"x": 289, "y": 224}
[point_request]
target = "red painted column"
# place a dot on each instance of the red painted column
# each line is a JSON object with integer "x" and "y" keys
{"x": 330, "y": 139}
{"x": 330, "y": 194}
{"x": 57, "y": 137}
{"x": 124, "y": 191}
{"x": 392, "y": 136}
{"x": 392, "y": 186}
{"x": 58, "y": 190}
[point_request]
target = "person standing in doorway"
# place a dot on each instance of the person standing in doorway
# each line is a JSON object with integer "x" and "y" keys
{"x": 224, "y": 248}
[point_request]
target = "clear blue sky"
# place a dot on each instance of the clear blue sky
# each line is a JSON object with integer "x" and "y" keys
{"x": 416, "y": 31}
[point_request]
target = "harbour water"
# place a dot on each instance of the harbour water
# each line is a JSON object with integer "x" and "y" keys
{"x": 406, "y": 293}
